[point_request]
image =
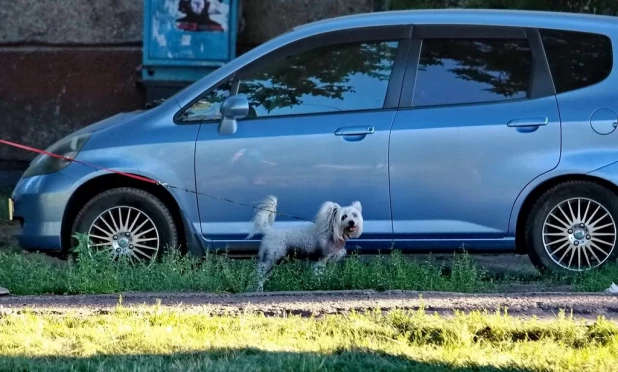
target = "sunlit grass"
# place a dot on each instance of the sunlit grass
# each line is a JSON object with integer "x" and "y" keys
{"x": 168, "y": 339}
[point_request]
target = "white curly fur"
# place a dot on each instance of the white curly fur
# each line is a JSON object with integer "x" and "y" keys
{"x": 322, "y": 241}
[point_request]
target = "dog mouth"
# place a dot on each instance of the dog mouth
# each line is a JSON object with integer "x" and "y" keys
{"x": 351, "y": 229}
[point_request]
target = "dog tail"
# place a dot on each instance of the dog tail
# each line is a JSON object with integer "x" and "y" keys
{"x": 264, "y": 217}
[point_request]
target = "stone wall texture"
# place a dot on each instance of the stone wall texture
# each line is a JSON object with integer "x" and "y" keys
{"x": 265, "y": 19}
{"x": 68, "y": 63}
{"x": 71, "y": 22}
{"x": 90, "y": 22}
{"x": 47, "y": 93}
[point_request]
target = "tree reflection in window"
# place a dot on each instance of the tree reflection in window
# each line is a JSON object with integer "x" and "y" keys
{"x": 344, "y": 77}
{"x": 466, "y": 71}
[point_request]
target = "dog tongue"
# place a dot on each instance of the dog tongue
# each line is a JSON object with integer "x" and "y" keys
{"x": 352, "y": 229}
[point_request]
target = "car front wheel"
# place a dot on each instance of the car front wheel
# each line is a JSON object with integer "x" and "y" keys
{"x": 129, "y": 223}
{"x": 573, "y": 227}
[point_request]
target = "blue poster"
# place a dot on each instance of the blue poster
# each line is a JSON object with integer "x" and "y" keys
{"x": 190, "y": 30}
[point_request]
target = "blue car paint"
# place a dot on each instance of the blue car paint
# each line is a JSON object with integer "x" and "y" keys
{"x": 340, "y": 170}
{"x": 43, "y": 199}
{"x": 150, "y": 144}
{"x": 449, "y": 193}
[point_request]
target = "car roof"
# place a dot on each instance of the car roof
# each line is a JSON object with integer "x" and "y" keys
{"x": 607, "y": 25}
{"x": 489, "y": 17}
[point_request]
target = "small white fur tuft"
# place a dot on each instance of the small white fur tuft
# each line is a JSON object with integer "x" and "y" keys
{"x": 264, "y": 217}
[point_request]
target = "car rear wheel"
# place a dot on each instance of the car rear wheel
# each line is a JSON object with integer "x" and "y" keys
{"x": 129, "y": 223}
{"x": 573, "y": 228}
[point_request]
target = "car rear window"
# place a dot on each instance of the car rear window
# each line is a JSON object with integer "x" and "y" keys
{"x": 577, "y": 59}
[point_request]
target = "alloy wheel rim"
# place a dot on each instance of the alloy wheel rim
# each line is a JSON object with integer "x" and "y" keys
{"x": 126, "y": 232}
{"x": 579, "y": 234}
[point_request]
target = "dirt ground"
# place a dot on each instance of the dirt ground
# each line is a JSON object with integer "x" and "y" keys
{"x": 587, "y": 306}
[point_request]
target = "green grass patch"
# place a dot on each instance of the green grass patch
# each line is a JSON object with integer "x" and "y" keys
{"x": 92, "y": 272}
{"x": 154, "y": 339}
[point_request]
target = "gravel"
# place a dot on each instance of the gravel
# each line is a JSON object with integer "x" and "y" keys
{"x": 543, "y": 305}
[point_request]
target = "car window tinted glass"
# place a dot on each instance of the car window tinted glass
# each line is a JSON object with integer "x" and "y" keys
{"x": 467, "y": 71}
{"x": 207, "y": 106}
{"x": 577, "y": 59}
{"x": 336, "y": 78}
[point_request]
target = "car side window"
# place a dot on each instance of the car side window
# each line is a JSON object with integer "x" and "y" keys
{"x": 207, "y": 106}
{"x": 335, "y": 78}
{"x": 470, "y": 71}
{"x": 577, "y": 59}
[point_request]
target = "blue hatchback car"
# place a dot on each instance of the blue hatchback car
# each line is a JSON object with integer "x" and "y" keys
{"x": 489, "y": 130}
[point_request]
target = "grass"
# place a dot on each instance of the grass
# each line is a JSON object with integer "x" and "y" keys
{"x": 93, "y": 273}
{"x": 155, "y": 338}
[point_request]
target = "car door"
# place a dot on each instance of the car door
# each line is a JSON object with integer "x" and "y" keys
{"x": 317, "y": 130}
{"x": 479, "y": 122}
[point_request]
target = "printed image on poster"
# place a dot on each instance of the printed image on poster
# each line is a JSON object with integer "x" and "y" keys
{"x": 198, "y": 30}
{"x": 203, "y": 15}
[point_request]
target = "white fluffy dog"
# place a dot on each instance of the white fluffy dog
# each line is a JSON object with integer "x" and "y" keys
{"x": 321, "y": 241}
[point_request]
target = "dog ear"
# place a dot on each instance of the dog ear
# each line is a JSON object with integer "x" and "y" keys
{"x": 335, "y": 223}
{"x": 327, "y": 209}
{"x": 327, "y": 219}
{"x": 358, "y": 206}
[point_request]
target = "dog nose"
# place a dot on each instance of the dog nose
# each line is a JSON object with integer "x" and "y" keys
{"x": 351, "y": 223}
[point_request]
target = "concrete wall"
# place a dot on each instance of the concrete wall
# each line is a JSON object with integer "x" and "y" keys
{"x": 282, "y": 15}
{"x": 68, "y": 63}
{"x": 65, "y": 64}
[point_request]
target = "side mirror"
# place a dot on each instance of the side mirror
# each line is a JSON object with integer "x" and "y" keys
{"x": 233, "y": 108}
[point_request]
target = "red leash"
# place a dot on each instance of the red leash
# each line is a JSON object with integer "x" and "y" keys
{"x": 32, "y": 149}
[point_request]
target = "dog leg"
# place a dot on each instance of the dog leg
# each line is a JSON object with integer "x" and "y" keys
{"x": 339, "y": 254}
{"x": 268, "y": 258}
{"x": 335, "y": 256}
{"x": 318, "y": 268}
{"x": 263, "y": 271}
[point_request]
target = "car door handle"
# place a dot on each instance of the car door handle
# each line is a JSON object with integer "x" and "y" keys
{"x": 354, "y": 131}
{"x": 528, "y": 122}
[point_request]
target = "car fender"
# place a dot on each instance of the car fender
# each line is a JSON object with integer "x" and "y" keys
{"x": 186, "y": 201}
{"x": 578, "y": 170}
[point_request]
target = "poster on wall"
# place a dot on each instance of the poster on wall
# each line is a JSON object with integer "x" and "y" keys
{"x": 203, "y": 15}
{"x": 190, "y": 29}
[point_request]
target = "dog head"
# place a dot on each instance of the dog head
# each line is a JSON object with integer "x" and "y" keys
{"x": 342, "y": 222}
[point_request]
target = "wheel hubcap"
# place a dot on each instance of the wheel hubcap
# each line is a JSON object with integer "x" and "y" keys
{"x": 579, "y": 234}
{"x": 125, "y": 232}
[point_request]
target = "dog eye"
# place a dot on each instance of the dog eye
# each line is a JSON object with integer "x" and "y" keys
{"x": 344, "y": 217}
{"x": 354, "y": 215}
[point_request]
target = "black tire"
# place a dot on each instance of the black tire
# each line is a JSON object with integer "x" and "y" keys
{"x": 552, "y": 198}
{"x": 141, "y": 200}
